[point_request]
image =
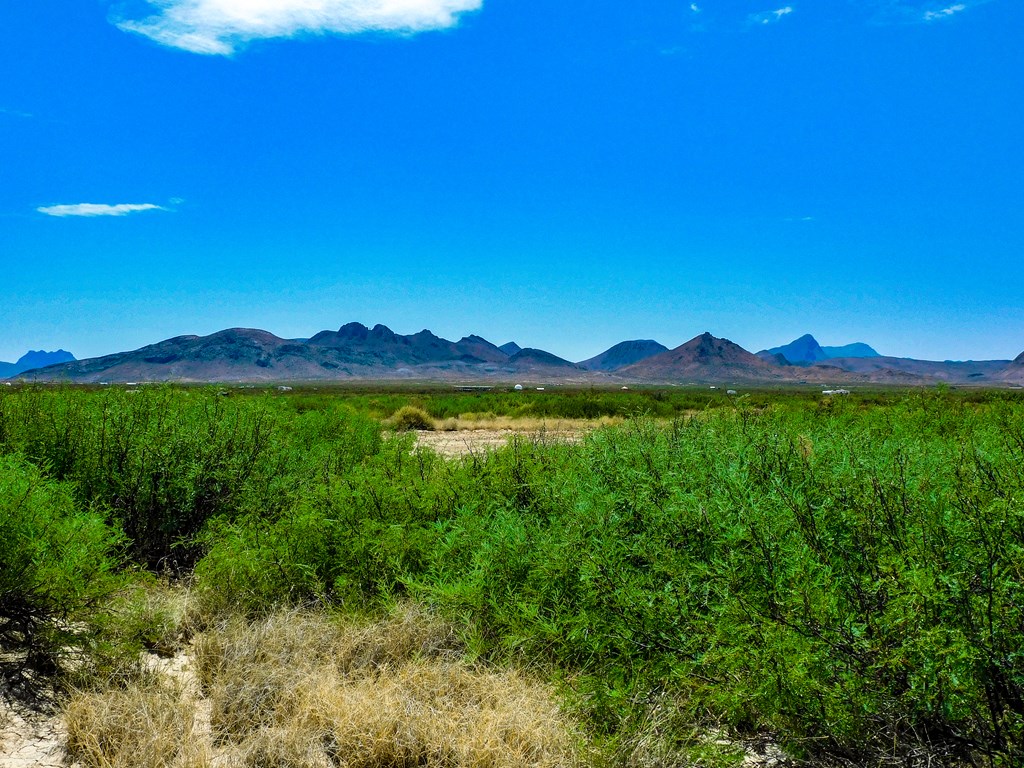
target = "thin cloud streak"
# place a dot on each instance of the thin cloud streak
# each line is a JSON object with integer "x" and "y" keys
{"x": 97, "y": 209}
{"x": 220, "y": 27}
{"x": 771, "y": 17}
{"x": 945, "y": 13}
{"x": 916, "y": 11}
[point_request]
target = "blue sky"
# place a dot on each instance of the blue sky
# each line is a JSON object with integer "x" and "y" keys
{"x": 565, "y": 174}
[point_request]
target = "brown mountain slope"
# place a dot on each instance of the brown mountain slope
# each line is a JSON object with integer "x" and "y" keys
{"x": 705, "y": 358}
{"x": 229, "y": 355}
{"x": 1014, "y": 372}
{"x": 538, "y": 361}
{"x": 352, "y": 352}
{"x": 897, "y": 369}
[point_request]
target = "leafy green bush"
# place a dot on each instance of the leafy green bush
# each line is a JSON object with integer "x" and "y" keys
{"x": 58, "y": 567}
{"x": 165, "y": 461}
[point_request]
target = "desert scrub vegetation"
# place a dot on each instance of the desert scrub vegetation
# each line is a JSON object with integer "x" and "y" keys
{"x": 304, "y": 688}
{"x": 841, "y": 577}
{"x": 59, "y": 565}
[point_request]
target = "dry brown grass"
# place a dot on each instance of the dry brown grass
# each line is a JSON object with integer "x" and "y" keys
{"x": 431, "y": 713}
{"x": 300, "y": 689}
{"x": 148, "y": 725}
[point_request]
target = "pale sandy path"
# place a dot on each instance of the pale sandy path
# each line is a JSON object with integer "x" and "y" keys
{"x": 467, "y": 441}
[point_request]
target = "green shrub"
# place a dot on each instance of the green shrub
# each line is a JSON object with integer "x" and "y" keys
{"x": 58, "y": 567}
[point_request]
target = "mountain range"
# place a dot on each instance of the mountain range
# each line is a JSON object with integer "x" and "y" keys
{"x": 806, "y": 351}
{"x": 34, "y": 359}
{"x": 358, "y": 352}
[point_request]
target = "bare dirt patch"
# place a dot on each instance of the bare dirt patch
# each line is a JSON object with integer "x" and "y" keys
{"x": 30, "y": 738}
{"x": 459, "y": 437}
{"x": 464, "y": 442}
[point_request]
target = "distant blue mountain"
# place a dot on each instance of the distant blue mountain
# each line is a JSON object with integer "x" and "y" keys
{"x": 806, "y": 351}
{"x": 857, "y": 349}
{"x": 34, "y": 359}
{"x": 510, "y": 348}
{"x": 802, "y": 351}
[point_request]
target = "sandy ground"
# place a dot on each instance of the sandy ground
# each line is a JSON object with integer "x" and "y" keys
{"x": 467, "y": 441}
{"x": 30, "y": 738}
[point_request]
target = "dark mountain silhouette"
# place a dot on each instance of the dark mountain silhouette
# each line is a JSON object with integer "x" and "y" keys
{"x": 510, "y": 348}
{"x": 802, "y": 351}
{"x": 622, "y": 354}
{"x": 705, "y": 358}
{"x": 355, "y": 351}
{"x": 857, "y": 349}
{"x": 356, "y": 344}
{"x": 34, "y": 359}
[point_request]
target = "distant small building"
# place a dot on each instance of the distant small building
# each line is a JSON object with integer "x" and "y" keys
{"x": 731, "y": 392}
{"x": 835, "y": 391}
{"x": 518, "y": 387}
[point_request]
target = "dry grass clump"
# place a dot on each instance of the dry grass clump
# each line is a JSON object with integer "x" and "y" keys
{"x": 298, "y": 689}
{"x": 251, "y": 671}
{"x": 439, "y": 714}
{"x": 410, "y": 417}
{"x": 303, "y": 690}
{"x": 148, "y": 725}
{"x": 286, "y": 747}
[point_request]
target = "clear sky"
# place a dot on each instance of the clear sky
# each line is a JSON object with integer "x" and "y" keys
{"x": 566, "y": 174}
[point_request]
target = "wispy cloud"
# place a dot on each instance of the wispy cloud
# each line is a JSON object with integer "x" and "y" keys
{"x": 694, "y": 7}
{"x": 770, "y": 17}
{"x": 98, "y": 209}
{"x": 14, "y": 113}
{"x": 219, "y": 27}
{"x": 916, "y": 11}
{"x": 944, "y": 13}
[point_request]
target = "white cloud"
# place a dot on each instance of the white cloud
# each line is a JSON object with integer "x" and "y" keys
{"x": 945, "y": 13}
{"x": 694, "y": 7}
{"x": 220, "y": 26}
{"x": 770, "y": 17}
{"x": 98, "y": 209}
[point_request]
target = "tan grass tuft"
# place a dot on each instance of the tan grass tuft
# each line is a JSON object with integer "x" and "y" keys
{"x": 301, "y": 689}
{"x": 285, "y": 747}
{"x": 437, "y": 713}
{"x": 146, "y": 726}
